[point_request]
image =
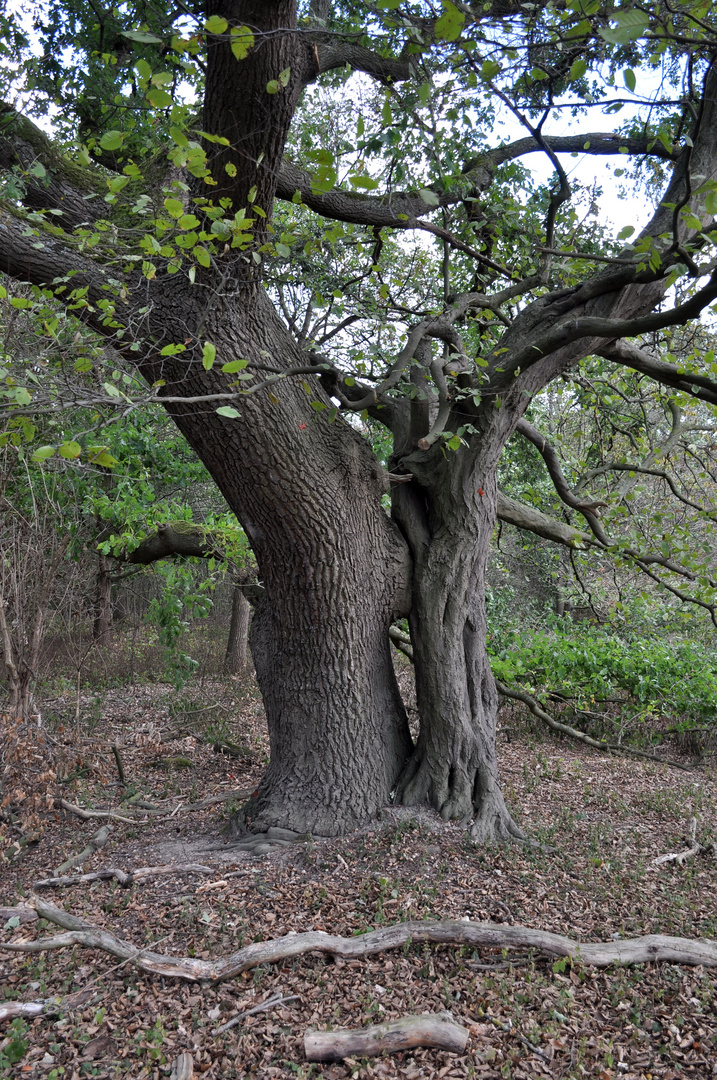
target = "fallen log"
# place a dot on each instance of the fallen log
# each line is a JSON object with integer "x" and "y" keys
{"x": 395, "y": 1035}
{"x": 22, "y": 914}
{"x": 642, "y": 950}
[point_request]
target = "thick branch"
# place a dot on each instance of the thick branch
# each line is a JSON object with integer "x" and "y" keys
{"x": 651, "y": 948}
{"x": 697, "y": 386}
{"x": 400, "y": 209}
{"x": 177, "y": 538}
{"x": 51, "y": 181}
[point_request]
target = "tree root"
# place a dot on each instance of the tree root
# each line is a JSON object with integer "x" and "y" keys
{"x": 395, "y": 1035}
{"x": 652, "y": 947}
{"x": 565, "y": 729}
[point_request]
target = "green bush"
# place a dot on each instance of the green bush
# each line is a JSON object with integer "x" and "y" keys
{"x": 599, "y": 671}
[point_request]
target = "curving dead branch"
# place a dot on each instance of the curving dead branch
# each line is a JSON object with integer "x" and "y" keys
{"x": 651, "y": 948}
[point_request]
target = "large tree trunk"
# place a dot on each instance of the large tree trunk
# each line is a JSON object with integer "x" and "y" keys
{"x": 334, "y": 568}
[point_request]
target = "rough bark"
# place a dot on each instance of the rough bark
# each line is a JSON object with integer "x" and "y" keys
{"x": 335, "y": 572}
{"x": 235, "y": 656}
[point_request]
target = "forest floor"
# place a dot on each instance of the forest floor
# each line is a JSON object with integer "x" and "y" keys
{"x": 600, "y": 821}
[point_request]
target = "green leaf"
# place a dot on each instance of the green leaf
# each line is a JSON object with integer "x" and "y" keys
{"x": 215, "y": 24}
{"x": 141, "y": 36}
{"x": 631, "y": 24}
{"x": 117, "y": 183}
{"x": 429, "y": 197}
{"x": 449, "y": 25}
{"x": 110, "y": 389}
{"x": 202, "y": 256}
{"x": 242, "y": 39}
{"x": 629, "y": 79}
{"x": 209, "y": 354}
{"x": 178, "y": 136}
{"x": 172, "y": 350}
{"x": 228, "y": 410}
{"x": 284, "y": 76}
{"x": 100, "y": 455}
{"x": 363, "y": 181}
{"x": 230, "y": 168}
{"x": 188, "y": 221}
{"x": 43, "y": 453}
{"x": 234, "y": 365}
{"x": 112, "y": 140}
{"x": 69, "y": 450}
{"x": 272, "y": 87}
{"x": 711, "y": 203}
{"x": 174, "y": 207}
{"x": 159, "y": 98}
{"x": 578, "y": 69}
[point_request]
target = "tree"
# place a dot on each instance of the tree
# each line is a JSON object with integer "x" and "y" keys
{"x": 163, "y": 233}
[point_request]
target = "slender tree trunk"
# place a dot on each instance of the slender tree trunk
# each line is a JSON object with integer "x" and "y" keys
{"x": 103, "y": 601}
{"x": 235, "y": 657}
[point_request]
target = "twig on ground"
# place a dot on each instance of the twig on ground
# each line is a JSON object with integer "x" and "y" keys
{"x": 264, "y": 1006}
{"x": 652, "y": 947}
{"x": 126, "y": 878}
{"x": 526, "y": 1042}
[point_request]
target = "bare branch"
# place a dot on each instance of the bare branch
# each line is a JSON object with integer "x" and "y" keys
{"x": 651, "y": 947}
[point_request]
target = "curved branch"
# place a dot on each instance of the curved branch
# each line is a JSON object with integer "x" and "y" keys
{"x": 549, "y": 456}
{"x": 651, "y": 948}
{"x": 566, "y": 729}
{"x": 401, "y": 209}
{"x": 697, "y": 386}
{"x": 594, "y": 327}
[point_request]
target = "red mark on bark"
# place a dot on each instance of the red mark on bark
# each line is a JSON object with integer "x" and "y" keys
{"x": 481, "y": 492}
{"x": 301, "y": 427}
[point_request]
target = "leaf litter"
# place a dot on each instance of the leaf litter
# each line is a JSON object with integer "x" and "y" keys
{"x": 600, "y": 822}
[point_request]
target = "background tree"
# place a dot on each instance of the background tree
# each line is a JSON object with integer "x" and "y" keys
{"x": 163, "y": 246}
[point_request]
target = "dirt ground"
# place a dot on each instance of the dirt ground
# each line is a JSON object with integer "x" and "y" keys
{"x": 599, "y": 821}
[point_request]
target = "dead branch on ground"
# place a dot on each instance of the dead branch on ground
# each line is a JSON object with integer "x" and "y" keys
{"x": 97, "y": 842}
{"x": 681, "y": 856}
{"x": 651, "y": 948}
{"x": 126, "y": 878}
{"x": 404, "y": 1034}
{"x": 565, "y": 729}
{"x": 264, "y": 1006}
